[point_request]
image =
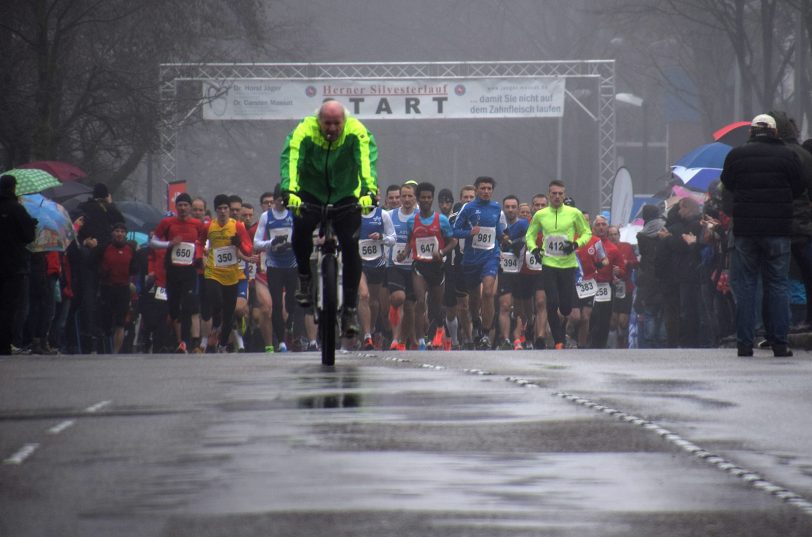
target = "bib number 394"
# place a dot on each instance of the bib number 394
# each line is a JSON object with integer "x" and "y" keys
{"x": 183, "y": 254}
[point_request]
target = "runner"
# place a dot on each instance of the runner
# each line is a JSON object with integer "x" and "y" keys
{"x": 228, "y": 244}
{"x": 392, "y": 197}
{"x": 531, "y": 278}
{"x": 399, "y": 273}
{"x": 445, "y": 202}
{"x": 603, "y": 263}
{"x": 481, "y": 222}
{"x": 430, "y": 241}
{"x": 514, "y": 294}
{"x": 261, "y": 310}
{"x": 183, "y": 236}
{"x": 458, "y": 319}
{"x": 559, "y": 225}
{"x": 623, "y": 290}
{"x": 273, "y": 238}
{"x": 377, "y": 235}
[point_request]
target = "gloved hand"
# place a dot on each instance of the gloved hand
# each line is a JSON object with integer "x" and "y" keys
{"x": 366, "y": 203}
{"x": 516, "y": 247}
{"x": 569, "y": 247}
{"x": 537, "y": 254}
{"x": 235, "y": 240}
{"x": 294, "y": 203}
{"x": 279, "y": 239}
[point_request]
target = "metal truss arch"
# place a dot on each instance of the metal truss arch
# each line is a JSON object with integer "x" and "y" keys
{"x": 173, "y": 118}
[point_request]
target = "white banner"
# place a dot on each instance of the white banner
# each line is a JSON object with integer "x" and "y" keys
{"x": 264, "y": 99}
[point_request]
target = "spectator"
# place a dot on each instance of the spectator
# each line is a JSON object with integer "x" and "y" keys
{"x": 649, "y": 301}
{"x": 116, "y": 266}
{"x": 801, "y": 211}
{"x": 764, "y": 177}
{"x": 17, "y": 231}
{"x": 100, "y": 213}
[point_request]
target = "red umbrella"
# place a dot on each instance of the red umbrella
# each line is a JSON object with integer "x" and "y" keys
{"x": 734, "y": 134}
{"x": 61, "y": 170}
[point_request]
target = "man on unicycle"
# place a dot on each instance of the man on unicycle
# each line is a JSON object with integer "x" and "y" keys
{"x": 330, "y": 158}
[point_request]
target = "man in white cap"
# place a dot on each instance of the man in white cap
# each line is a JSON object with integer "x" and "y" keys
{"x": 764, "y": 176}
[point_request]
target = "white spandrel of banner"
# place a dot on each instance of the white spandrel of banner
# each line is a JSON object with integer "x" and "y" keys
{"x": 268, "y": 99}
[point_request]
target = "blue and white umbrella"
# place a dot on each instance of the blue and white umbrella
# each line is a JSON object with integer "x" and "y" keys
{"x": 699, "y": 168}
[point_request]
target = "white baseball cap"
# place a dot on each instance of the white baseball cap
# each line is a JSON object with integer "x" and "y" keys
{"x": 763, "y": 120}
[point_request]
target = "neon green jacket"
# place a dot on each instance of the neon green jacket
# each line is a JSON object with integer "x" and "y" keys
{"x": 565, "y": 221}
{"x": 329, "y": 171}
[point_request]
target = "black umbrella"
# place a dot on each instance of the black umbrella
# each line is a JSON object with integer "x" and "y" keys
{"x": 139, "y": 216}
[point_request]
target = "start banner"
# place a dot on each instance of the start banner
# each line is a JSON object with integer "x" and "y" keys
{"x": 264, "y": 99}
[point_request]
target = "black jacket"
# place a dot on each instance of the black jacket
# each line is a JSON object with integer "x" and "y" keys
{"x": 16, "y": 230}
{"x": 764, "y": 176}
{"x": 677, "y": 261}
{"x": 99, "y": 219}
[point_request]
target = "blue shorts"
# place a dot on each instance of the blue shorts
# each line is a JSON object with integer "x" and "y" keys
{"x": 242, "y": 289}
{"x": 474, "y": 274}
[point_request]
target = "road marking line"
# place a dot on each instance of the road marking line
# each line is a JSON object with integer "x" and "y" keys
{"x": 56, "y": 429}
{"x": 753, "y": 479}
{"x": 98, "y": 406}
{"x": 22, "y": 454}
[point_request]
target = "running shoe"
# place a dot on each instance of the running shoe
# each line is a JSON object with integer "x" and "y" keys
{"x": 269, "y": 348}
{"x": 506, "y": 345}
{"x": 439, "y": 336}
{"x": 368, "y": 345}
{"x": 484, "y": 343}
{"x": 421, "y": 345}
{"x": 540, "y": 344}
{"x": 517, "y": 345}
{"x": 313, "y": 346}
{"x": 559, "y": 346}
{"x": 222, "y": 349}
{"x": 181, "y": 348}
{"x": 393, "y": 346}
{"x": 401, "y": 346}
{"x": 283, "y": 347}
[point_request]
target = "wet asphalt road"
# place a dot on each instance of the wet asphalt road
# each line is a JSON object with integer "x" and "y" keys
{"x": 568, "y": 443}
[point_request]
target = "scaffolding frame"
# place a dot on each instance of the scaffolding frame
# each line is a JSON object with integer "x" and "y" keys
{"x": 173, "y": 118}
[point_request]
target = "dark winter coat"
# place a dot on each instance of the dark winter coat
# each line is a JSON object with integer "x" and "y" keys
{"x": 16, "y": 230}
{"x": 764, "y": 176}
{"x": 99, "y": 219}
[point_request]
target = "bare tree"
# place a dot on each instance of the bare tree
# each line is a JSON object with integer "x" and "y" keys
{"x": 79, "y": 77}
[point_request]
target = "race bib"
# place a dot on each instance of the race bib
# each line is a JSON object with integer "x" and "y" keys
{"x": 554, "y": 245}
{"x": 531, "y": 261}
{"x": 586, "y": 288}
{"x": 370, "y": 250}
{"x": 225, "y": 256}
{"x": 396, "y": 249}
{"x": 160, "y": 293}
{"x": 183, "y": 254}
{"x": 603, "y": 292}
{"x": 620, "y": 289}
{"x": 426, "y": 246}
{"x": 285, "y": 232}
{"x": 251, "y": 271}
{"x": 511, "y": 263}
{"x": 485, "y": 239}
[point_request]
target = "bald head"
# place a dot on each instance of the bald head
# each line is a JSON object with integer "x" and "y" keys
{"x": 332, "y": 116}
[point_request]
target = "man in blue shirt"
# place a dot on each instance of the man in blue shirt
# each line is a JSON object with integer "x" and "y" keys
{"x": 481, "y": 224}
